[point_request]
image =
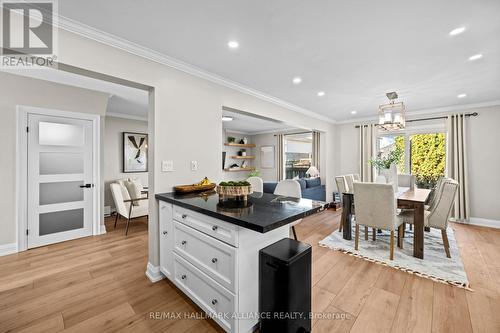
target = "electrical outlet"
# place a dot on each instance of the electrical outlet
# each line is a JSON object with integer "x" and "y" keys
{"x": 167, "y": 166}
{"x": 194, "y": 165}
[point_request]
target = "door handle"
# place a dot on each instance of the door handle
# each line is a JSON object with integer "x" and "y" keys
{"x": 87, "y": 186}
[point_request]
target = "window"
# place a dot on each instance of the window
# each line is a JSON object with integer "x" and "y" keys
{"x": 420, "y": 154}
{"x": 298, "y": 154}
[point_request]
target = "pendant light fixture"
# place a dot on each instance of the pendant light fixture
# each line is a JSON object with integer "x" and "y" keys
{"x": 391, "y": 117}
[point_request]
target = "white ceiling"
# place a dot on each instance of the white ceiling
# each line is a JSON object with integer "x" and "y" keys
{"x": 123, "y": 101}
{"x": 248, "y": 124}
{"x": 355, "y": 51}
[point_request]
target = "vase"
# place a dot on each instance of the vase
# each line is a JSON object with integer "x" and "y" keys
{"x": 391, "y": 176}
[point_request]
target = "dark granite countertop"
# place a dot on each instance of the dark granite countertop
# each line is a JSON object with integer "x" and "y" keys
{"x": 264, "y": 211}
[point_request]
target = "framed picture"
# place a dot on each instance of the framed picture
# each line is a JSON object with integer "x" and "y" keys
{"x": 267, "y": 157}
{"x": 135, "y": 152}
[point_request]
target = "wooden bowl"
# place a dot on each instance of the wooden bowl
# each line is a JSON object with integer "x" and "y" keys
{"x": 194, "y": 188}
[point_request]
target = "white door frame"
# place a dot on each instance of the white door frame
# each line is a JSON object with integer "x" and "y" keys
{"x": 22, "y": 167}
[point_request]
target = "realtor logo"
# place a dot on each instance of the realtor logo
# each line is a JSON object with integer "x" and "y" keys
{"x": 28, "y": 33}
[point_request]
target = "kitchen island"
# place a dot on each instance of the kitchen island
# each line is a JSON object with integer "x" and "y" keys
{"x": 210, "y": 249}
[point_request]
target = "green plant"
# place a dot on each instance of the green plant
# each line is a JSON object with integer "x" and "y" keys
{"x": 254, "y": 173}
{"x": 233, "y": 183}
{"x": 231, "y": 139}
{"x": 385, "y": 162}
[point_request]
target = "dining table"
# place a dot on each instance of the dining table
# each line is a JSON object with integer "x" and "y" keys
{"x": 407, "y": 198}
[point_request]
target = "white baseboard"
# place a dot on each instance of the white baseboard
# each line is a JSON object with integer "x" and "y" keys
{"x": 153, "y": 273}
{"x": 102, "y": 229}
{"x": 6, "y": 249}
{"x": 482, "y": 222}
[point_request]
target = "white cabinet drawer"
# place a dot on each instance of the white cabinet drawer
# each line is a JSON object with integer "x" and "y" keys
{"x": 213, "y": 257}
{"x": 221, "y": 230}
{"x": 205, "y": 292}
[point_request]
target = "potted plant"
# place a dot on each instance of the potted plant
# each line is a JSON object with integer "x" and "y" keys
{"x": 231, "y": 139}
{"x": 242, "y": 152}
{"x": 386, "y": 166}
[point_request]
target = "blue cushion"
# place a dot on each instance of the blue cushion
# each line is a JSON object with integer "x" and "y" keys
{"x": 302, "y": 183}
{"x": 313, "y": 182}
{"x": 268, "y": 187}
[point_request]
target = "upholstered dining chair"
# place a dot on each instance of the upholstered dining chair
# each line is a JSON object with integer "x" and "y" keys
{"x": 406, "y": 180}
{"x": 350, "y": 181}
{"x": 124, "y": 204}
{"x": 436, "y": 194}
{"x": 356, "y": 177}
{"x": 376, "y": 208}
{"x": 289, "y": 188}
{"x": 341, "y": 188}
{"x": 437, "y": 217}
{"x": 256, "y": 183}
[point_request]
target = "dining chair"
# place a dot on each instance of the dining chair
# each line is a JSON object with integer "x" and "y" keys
{"x": 376, "y": 208}
{"x": 436, "y": 194}
{"x": 380, "y": 180}
{"x": 438, "y": 216}
{"x": 350, "y": 181}
{"x": 124, "y": 204}
{"x": 341, "y": 188}
{"x": 356, "y": 177}
{"x": 289, "y": 188}
{"x": 406, "y": 180}
{"x": 256, "y": 183}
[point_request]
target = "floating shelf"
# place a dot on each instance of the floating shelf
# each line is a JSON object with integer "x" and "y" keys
{"x": 243, "y": 157}
{"x": 248, "y": 145}
{"x": 240, "y": 169}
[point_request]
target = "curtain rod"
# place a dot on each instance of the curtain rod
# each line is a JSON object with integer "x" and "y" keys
{"x": 285, "y": 134}
{"x": 474, "y": 114}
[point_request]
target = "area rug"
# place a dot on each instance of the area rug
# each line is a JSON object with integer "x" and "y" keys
{"x": 435, "y": 265}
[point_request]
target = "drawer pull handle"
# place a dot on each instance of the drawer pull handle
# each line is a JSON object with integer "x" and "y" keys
{"x": 183, "y": 242}
{"x": 214, "y": 260}
{"x": 165, "y": 232}
{"x": 183, "y": 276}
{"x": 184, "y": 216}
{"x": 214, "y": 228}
{"x": 214, "y": 301}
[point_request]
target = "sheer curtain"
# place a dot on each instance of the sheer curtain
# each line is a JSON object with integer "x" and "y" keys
{"x": 456, "y": 163}
{"x": 367, "y": 150}
{"x": 280, "y": 156}
{"x": 316, "y": 138}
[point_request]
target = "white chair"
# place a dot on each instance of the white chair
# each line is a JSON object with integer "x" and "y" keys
{"x": 376, "y": 208}
{"x": 289, "y": 188}
{"x": 439, "y": 214}
{"x": 380, "y": 180}
{"x": 406, "y": 180}
{"x": 256, "y": 183}
{"x": 356, "y": 176}
{"x": 350, "y": 181}
{"x": 124, "y": 204}
{"x": 436, "y": 194}
{"x": 341, "y": 188}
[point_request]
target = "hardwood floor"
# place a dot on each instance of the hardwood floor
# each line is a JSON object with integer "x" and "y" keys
{"x": 97, "y": 284}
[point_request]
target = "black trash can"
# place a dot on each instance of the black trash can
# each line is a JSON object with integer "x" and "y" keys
{"x": 285, "y": 287}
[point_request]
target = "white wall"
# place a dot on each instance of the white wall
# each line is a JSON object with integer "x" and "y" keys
{"x": 268, "y": 139}
{"x": 18, "y": 90}
{"x": 483, "y": 140}
{"x": 112, "y": 141}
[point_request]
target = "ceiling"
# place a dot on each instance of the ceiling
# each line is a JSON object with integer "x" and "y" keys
{"x": 123, "y": 101}
{"x": 355, "y": 51}
{"x": 248, "y": 124}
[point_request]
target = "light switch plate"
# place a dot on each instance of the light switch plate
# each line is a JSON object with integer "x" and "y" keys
{"x": 194, "y": 165}
{"x": 167, "y": 166}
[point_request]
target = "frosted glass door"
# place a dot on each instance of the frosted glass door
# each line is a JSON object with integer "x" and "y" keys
{"x": 60, "y": 189}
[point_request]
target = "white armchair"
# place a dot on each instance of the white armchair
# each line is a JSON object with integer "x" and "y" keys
{"x": 256, "y": 183}
{"x": 406, "y": 180}
{"x": 125, "y": 205}
{"x": 289, "y": 188}
{"x": 376, "y": 208}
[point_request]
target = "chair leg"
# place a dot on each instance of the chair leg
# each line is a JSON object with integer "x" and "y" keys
{"x": 391, "y": 257}
{"x": 411, "y": 226}
{"x": 404, "y": 229}
{"x": 401, "y": 230}
{"x": 294, "y": 233}
{"x": 446, "y": 243}
{"x": 126, "y": 230}
{"x": 341, "y": 224}
{"x": 356, "y": 237}
{"x": 374, "y": 236}
{"x": 366, "y": 233}
{"x": 116, "y": 219}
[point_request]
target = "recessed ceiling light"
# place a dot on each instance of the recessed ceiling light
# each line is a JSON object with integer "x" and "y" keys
{"x": 321, "y": 93}
{"x": 227, "y": 118}
{"x": 457, "y": 31}
{"x": 354, "y": 112}
{"x": 462, "y": 95}
{"x": 297, "y": 80}
{"x": 475, "y": 57}
{"x": 233, "y": 44}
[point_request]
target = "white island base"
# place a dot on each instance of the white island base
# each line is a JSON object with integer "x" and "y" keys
{"x": 215, "y": 263}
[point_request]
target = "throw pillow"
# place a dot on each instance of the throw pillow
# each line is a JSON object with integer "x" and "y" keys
{"x": 134, "y": 187}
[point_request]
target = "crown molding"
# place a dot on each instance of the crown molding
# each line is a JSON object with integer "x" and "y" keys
{"x": 125, "y": 116}
{"x": 144, "y": 52}
{"x": 436, "y": 111}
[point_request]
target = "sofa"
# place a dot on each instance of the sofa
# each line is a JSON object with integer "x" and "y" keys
{"x": 311, "y": 188}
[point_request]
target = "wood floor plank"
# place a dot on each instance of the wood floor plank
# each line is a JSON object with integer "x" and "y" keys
{"x": 450, "y": 312}
{"x": 335, "y": 321}
{"x": 392, "y": 280}
{"x": 377, "y": 313}
{"x": 50, "y": 324}
{"x": 106, "y": 321}
{"x": 321, "y": 299}
{"x": 484, "y": 312}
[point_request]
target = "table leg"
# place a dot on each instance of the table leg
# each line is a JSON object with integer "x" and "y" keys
{"x": 346, "y": 217}
{"x": 418, "y": 235}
